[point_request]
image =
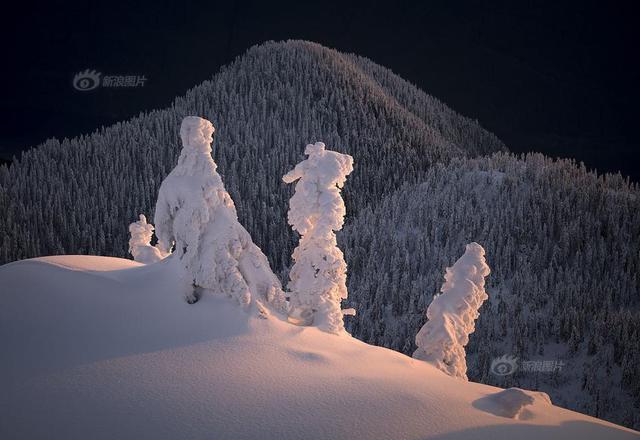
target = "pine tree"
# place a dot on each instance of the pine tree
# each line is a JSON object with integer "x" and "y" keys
{"x": 316, "y": 210}
{"x": 452, "y": 314}
{"x": 140, "y": 242}
{"x": 196, "y": 215}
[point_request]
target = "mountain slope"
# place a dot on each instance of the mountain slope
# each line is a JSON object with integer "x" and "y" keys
{"x": 266, "y": 106}
{"x": 562, "y": 247}
{"x": 115, "y": 352}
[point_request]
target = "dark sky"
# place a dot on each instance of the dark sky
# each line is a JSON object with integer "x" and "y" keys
{"x": 556, "y": 77}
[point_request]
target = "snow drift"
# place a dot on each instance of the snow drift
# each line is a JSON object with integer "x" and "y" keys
{"x": 103, "y": 348}
{"x": 512, "y": 402}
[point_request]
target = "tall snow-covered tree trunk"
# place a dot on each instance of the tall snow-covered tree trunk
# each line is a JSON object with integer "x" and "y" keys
{"x": 316, "y": 210}
{"x": 452, "y": 314}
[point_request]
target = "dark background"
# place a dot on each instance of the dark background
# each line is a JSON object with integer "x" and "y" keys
{"x": 555, "y": 77}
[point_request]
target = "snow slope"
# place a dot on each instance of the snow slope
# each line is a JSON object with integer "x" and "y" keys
{"x": 97, "y": 347}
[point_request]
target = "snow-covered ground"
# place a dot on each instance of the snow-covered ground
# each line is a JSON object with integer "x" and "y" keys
{"x": 105, "y": 348}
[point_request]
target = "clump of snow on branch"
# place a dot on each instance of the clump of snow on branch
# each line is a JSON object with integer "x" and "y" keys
{"x": 452, "y": 314}
{"x": 316, "y": 210}
{"x": 140, "y": 242}
{"x": 196, "y": 215}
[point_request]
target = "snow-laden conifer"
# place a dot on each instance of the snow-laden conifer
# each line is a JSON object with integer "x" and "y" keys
{"x": 316, "y": 210}
{"x": 196, "y": 216}
{"x": 452, "y": 314}
{"x": 140, "y": 242}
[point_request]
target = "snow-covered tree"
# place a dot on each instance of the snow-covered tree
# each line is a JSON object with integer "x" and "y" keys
{"x": 452, "y": 314}
{"x": 140, "y": 242}
{"x": 196, "y": 216}
{"x": 316, "y": 210}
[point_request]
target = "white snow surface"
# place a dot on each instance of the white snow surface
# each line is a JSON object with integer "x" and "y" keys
{"x": 512, "y": 402}
{"x": 195, "y": 213}
{"x": 318, "y": 277}
{"x": 104, "y": 348}
{"x": 452, "y": 314}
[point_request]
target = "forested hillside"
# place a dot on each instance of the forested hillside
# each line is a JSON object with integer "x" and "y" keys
{"x": 78, "y": 196}
{"x": 562, "y": 247}
{"x": 561, "y": 242}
